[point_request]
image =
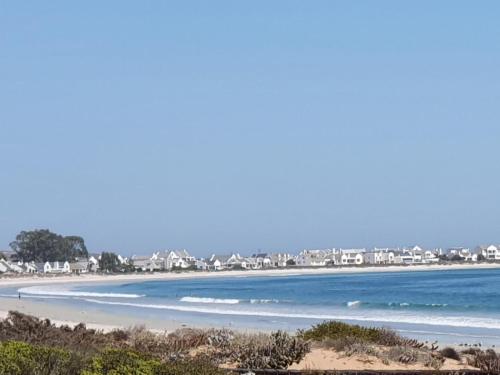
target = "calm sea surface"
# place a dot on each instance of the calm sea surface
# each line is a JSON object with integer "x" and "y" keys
{"x": 450, "y": 306}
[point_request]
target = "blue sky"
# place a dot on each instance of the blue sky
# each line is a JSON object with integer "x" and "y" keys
{"x": 236, "y": 126}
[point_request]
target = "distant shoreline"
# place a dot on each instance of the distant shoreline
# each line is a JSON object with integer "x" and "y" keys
{"x": 140, "y": 277}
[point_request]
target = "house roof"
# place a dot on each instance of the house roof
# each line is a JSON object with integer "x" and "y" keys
{"x": 221, "y": 258}
{"x": 81, "y": 265}
{"x": 353, "y": 251}
{"x": 260, "y": 255}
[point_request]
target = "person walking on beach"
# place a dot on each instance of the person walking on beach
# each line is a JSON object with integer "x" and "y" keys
{"x": 19, "y": 295}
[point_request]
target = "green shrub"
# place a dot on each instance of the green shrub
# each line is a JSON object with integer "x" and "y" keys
{"x": 29, "y": 329}
{"x": 122, "y": 362}
{"x": 334, "y": 330}
{"x": 17, "y": 358}
{"x": 126, "y": 362}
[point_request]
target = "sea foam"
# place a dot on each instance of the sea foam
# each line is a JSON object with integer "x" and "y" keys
{"x": 36, "y": 290}
{"x": 227, "y": 301}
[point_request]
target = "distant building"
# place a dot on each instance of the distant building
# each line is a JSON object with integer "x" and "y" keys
{"x": 178, "y": 259}
{"x": 380, "y": 256}
{"x": 491, "y": 252}
{"x": 53, "y": 267}
{"x": 351, "y": 256}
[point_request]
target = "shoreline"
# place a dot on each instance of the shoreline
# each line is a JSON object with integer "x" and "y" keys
{"x": 164, "y": 276}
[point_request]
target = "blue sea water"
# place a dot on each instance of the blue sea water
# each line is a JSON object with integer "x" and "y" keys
{"x": 455, "y": 306}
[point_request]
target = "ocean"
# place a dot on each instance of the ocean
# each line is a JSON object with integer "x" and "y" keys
{"x": 453, "y": 307}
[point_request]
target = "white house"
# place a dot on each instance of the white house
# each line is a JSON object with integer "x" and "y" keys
{"x": 403, "y": 257}
{"x": 14, "y": 267}
{"x": 379, "y": 256}
{"x": 4, "y": 266}
{"x": 262, "y": 260}
{"x": 352, "y": 256}
{"x": 29, "y": 267}
{"x": 147, "y": 263}
{"x": 430, "y": 256}
{"x": 200, "y": 264}
{"x": 93, "y": 263}
{"x": 279, "y": 260}
{"x": 178, "y": 259}
{"x": 55, "y": 267}
{"x": 80, "y": 266}
{"x": 220, "y": 262}
{"x": 491, "y": 252}
{"x": 465, "y": 253}
{"x": 314, "y": 258}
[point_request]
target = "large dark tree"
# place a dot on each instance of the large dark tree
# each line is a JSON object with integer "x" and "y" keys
{"x": 42, "y": 245}
{"x": 109, "y": 262}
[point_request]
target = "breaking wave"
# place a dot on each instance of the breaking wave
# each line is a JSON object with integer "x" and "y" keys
{"x": 227, "y": 301}
{"x": 38, "y": 291}
{"x": 395, "y": 304}
{"x": 259, "y": 301}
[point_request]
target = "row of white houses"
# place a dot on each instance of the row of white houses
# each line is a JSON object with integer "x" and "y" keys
{"x": 58, "y": 267}
{"x": 181, "y": 260}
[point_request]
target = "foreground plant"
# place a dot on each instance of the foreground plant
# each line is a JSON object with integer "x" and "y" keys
{"x": 279, "y": 351}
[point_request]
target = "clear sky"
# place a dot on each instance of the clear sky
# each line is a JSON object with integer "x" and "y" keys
{"x": 223, "y": 126}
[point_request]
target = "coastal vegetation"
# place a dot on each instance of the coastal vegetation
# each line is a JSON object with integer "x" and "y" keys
{"x": 110, "y": 262}
{"x": 29, "y": 345}
{"x": 42, "y": 245}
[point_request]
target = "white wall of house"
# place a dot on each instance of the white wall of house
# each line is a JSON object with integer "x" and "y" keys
{"x": 492, "y": 252}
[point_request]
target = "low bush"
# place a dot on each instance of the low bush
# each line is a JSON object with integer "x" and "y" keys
{"x": 334, "y": 330}
{"x": 26, "y": 328}
{"x": 450, "y": 353}
{"x": 127, "y": 362}
{"x": 278, "y": 351}
{"x": 488, "y": 361}
{"x": 17, "y": 358}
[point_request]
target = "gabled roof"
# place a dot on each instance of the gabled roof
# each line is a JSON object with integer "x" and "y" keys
{"x": 260, "y": 255}
{"x": 352, "y": 251}
{"x": 221, "y": 258}
{"x": 80, "y": 265}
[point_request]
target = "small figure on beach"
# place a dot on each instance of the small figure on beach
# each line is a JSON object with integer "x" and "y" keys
{"x": 19, "y": 295}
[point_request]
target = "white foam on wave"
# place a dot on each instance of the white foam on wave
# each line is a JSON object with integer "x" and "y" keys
{"x": 227, "y": 301}
{"x": 407, "y": 304}
{"x": 263, "y": 301}
{"x": 452, "y": 321}
{"x": 38, "y": 291}
{"x": 353, "y": 303}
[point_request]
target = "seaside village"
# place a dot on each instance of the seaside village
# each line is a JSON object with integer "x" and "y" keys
{"x": 178, "y": 260}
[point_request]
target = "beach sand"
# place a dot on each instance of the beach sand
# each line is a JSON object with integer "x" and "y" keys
{"x": 325, "y": 359}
